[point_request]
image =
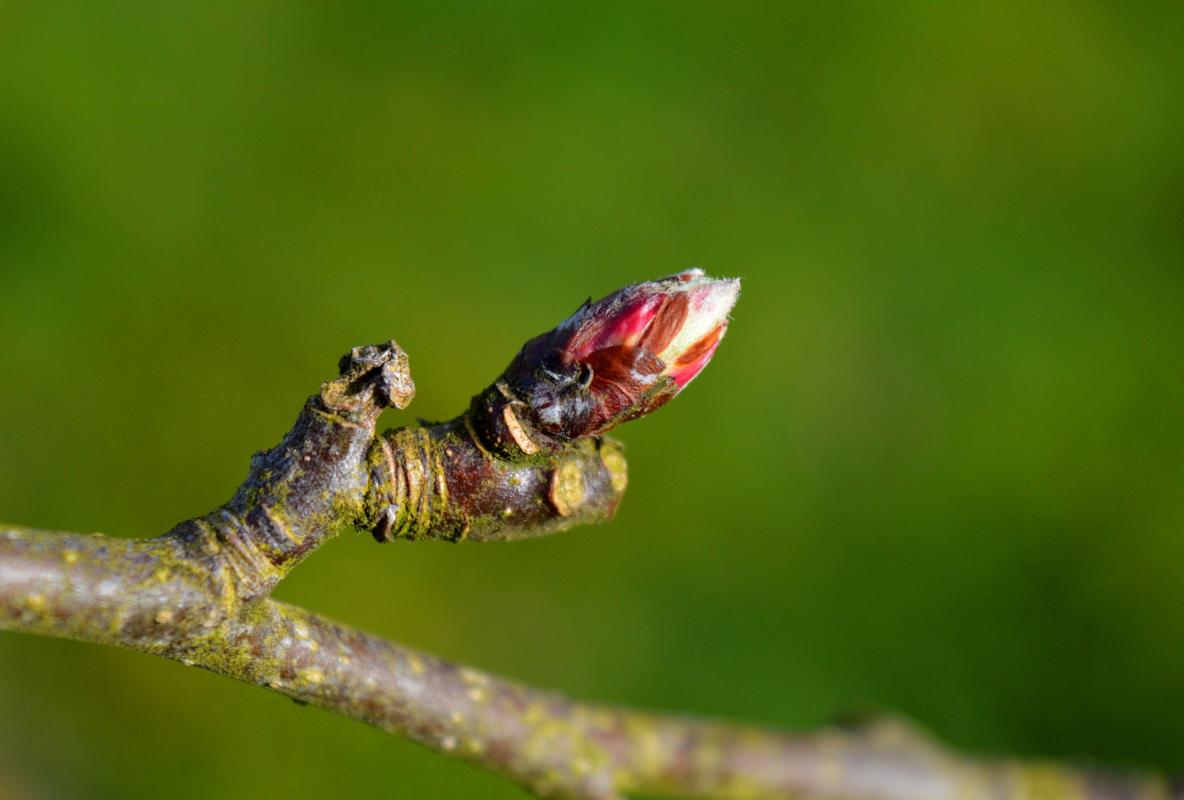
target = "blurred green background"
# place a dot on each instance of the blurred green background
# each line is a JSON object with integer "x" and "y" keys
{"x": 936, "y": 467}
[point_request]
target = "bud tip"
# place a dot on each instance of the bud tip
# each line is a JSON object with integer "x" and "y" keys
{"x": 620, "y": 357}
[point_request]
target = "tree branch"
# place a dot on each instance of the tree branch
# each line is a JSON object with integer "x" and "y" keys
{"x": 122, "y": 592}
{"x": 526, "y": 458}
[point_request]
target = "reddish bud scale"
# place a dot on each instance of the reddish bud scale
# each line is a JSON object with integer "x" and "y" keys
{"x": 614, "y": 360}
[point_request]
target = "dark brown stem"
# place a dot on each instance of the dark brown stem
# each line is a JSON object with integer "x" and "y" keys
{"x": 441, "y": 482}
{"x": 332, "y": 471}
{"x": 311, "y": 485}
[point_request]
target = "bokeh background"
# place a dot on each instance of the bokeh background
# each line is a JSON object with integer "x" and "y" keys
{"x": 937, "y": 466}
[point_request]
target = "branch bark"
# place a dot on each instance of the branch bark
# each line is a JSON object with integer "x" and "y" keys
{"x": 141, "y": 595}
{"x": 510, "y": 466}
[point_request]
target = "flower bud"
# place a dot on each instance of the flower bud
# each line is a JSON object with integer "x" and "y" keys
{"x": 611, "y": 361}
